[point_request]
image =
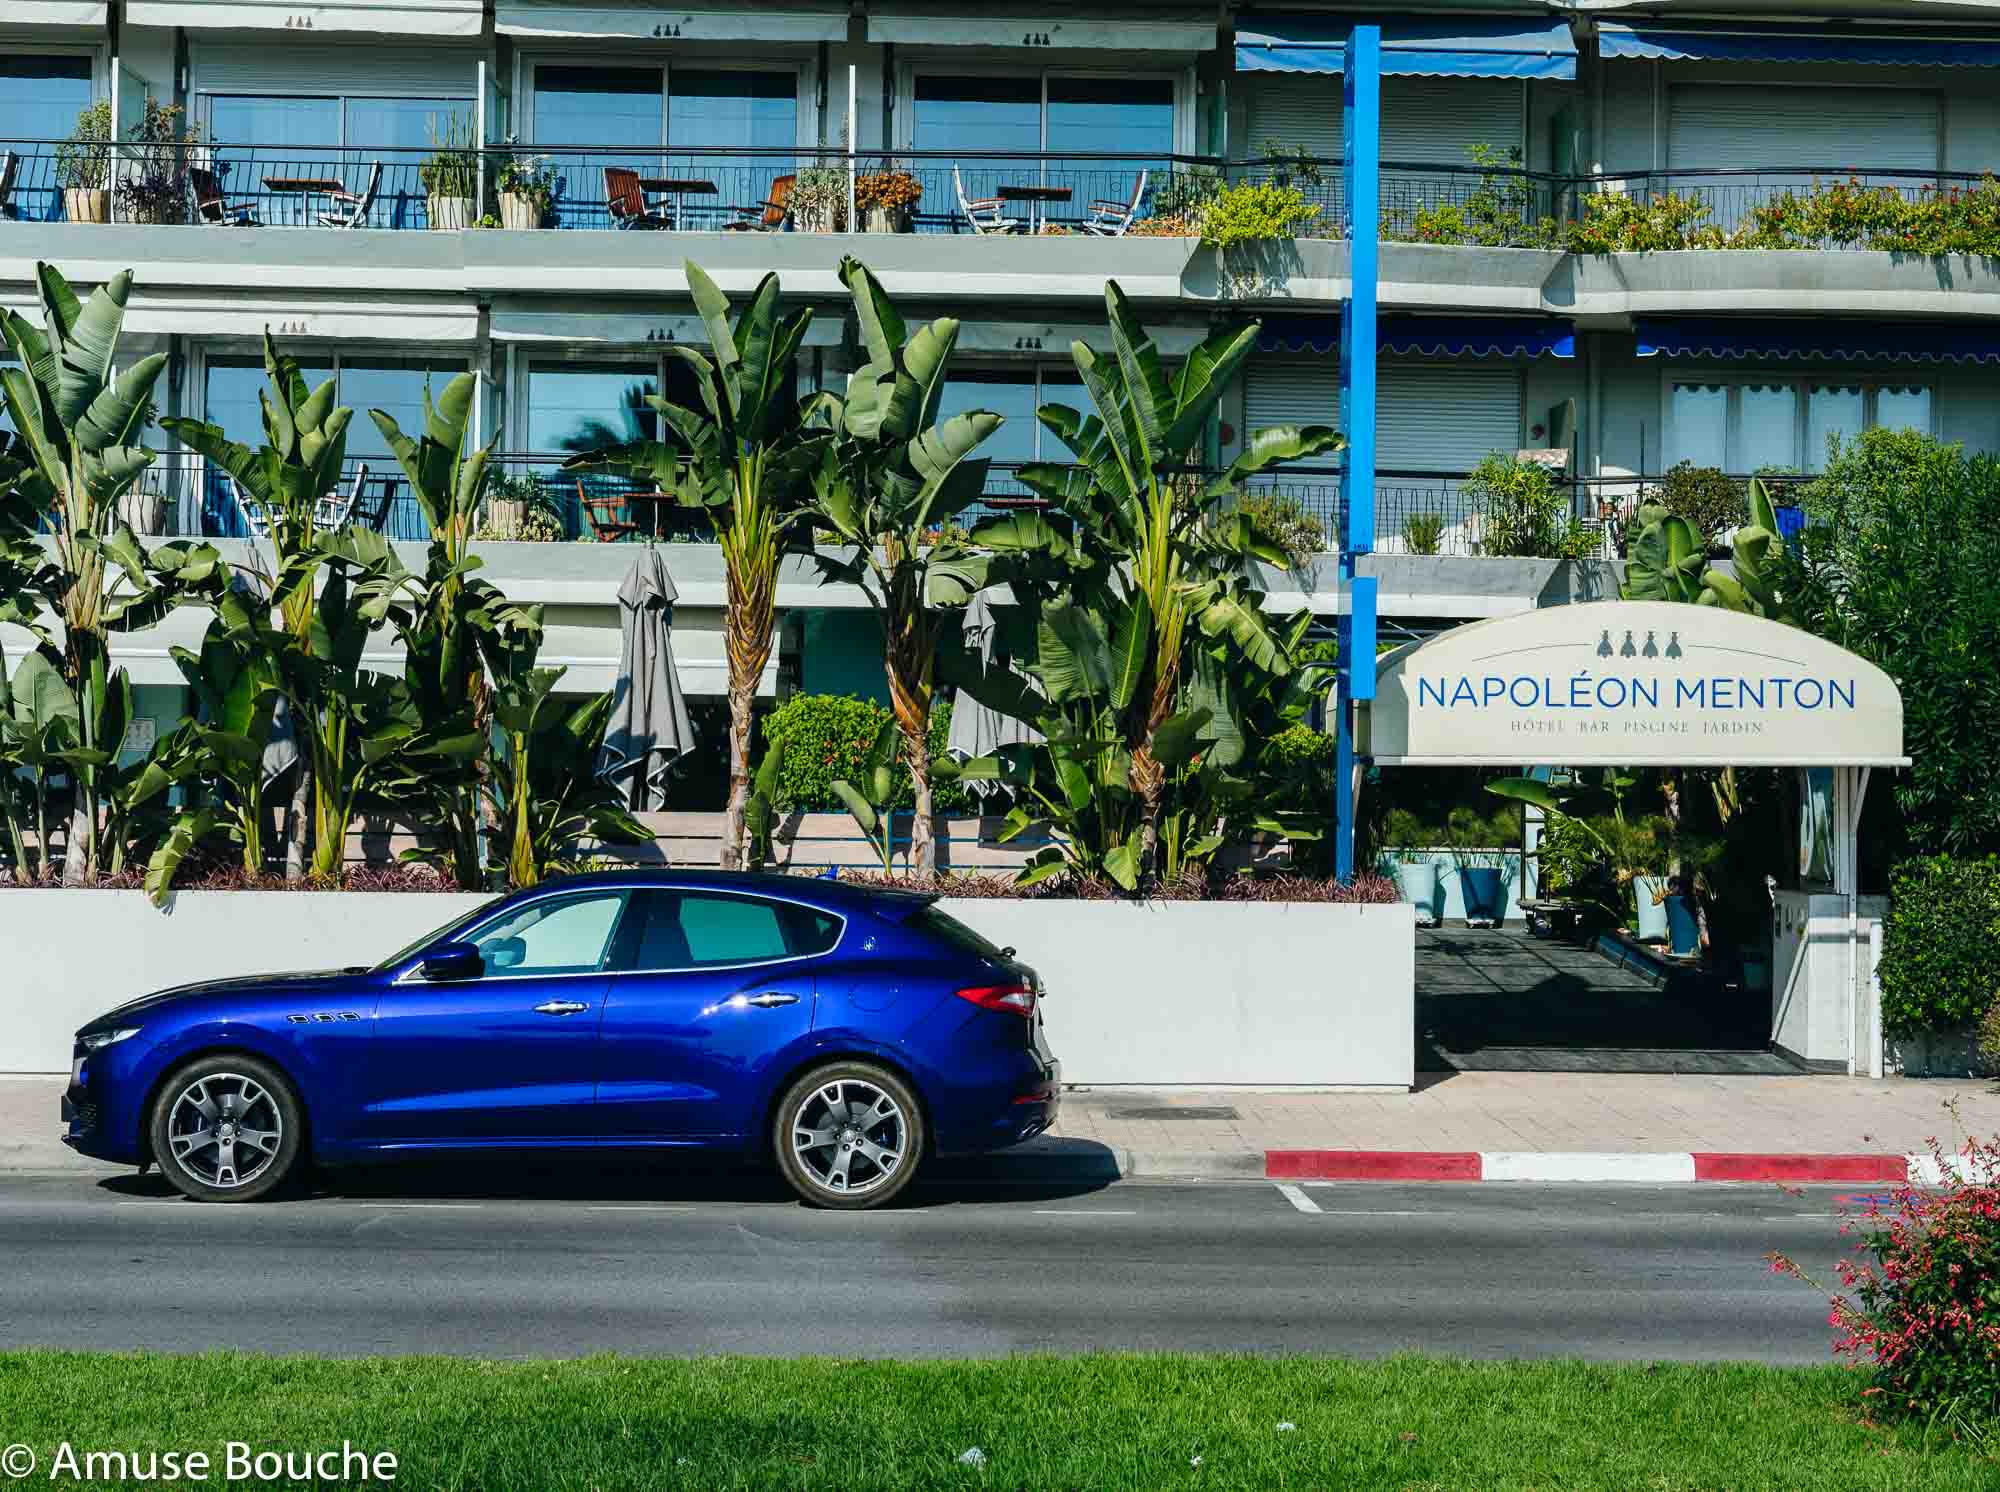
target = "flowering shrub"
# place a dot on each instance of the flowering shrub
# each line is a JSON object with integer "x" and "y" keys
{"x": 1614, "y": 223}
{"x": 1164, "y": 227}
{"x": 1919, "y": 1299}
{"x": 1846, "y": 214}
{"x": 892, "y": 191}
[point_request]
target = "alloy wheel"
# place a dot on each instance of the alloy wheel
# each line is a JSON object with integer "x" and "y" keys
{"x": 225, "y": 1129}
{"x": 850, "y": 1137}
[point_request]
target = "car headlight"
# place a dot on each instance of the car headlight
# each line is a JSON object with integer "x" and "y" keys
{"x": 93, "y": 1040}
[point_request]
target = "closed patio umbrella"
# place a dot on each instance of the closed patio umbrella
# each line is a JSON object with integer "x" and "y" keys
{"x": 649, "y": 726}
{"x": 977, "y": 729}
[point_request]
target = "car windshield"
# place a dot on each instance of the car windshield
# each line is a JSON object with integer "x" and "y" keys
{"x": 442, "y": 935}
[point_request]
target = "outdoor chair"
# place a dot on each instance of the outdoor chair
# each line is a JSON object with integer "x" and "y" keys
{"x": 256, "y": 517}
{"x": 10, "y": 167}
{"x": 769, "y": 216}
{"x": 625, "y": 199}
{"x": 354, "y": 210}
{"x": 1111, "y": 219}
{"x": 371, "y": 512}
{"x": 985, "y": 214}
{"x": 332, "y": 511}
{"x": 609, "y": 516}
{"x": 212, "y": 205}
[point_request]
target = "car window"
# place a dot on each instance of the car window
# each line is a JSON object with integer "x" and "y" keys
{"x": 553, "y": 936}
{"x": 954, "y": 934}
{"x": 441, "y": 935}
{"x": 690, "y": 930}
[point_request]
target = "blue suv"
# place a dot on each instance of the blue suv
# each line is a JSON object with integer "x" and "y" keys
{"x": 846, "y": 1031}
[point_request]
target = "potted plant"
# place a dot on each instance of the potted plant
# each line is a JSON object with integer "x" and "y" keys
{"x": 1416, "y": 873}
{"x": 527, "y": 191}
{"x": 83, "y": 166}
{"x": 819, "y": 200}
{"x": 885, "y": 199}
{"x": 153, "y": 186}
{"x": 450, "y": 173}
{"x": 143, "y": 509}
{"x": 1481, "y": 862}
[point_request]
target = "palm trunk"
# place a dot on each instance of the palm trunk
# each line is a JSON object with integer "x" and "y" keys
{"x": 907, "y": 659}
{"x": 750, "y": 623}
{"x": 77, "y": 847}
{"x": 735, "y": 830}
{"x": 298, "y": 814}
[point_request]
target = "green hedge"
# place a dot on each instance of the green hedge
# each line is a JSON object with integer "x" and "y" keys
{"x": 826, "y": 737}
{"x": 1941, "y": 944}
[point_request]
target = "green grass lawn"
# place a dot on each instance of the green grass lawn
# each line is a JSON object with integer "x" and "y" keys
{"x": 1091, "y": 1422}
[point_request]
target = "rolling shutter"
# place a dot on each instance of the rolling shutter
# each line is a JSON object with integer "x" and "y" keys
{"x": 1720, "y": 127}
{"x": 1445, "y": 417}
{"x": 1295, "y": 110}
{"x": 1436, "y": 121}
{"x": 1431, "y": 120}
{"x": 335, "y": 68}
{"x": 1430, "y": 417}
{"x": 1292, "y": 391}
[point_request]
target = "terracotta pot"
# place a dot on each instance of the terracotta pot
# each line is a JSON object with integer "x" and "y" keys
{"x": 144, "y": 512}
{"x": 451, "y": 212}
{"x": 87, "y": 204}
{"x": 519, "y": 212}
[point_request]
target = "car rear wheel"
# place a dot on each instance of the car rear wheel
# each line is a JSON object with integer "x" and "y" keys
{"x": 227, "y": 1128}
{"x": 849, "y": 1135}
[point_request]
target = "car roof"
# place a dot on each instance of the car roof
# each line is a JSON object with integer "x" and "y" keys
{"x": 812, "y": 890}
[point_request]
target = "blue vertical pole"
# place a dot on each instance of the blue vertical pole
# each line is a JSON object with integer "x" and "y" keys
{"x": 1361, "y": 170}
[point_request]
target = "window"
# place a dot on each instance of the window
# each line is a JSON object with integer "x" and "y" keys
{"x": 328, "y": 135}
{"x": 585, "y": 406}
{"x": 551, "y": 936}
{"x": 233, "y": 384}
{"x": 1014, "y": 394}
{"x": 1042, "y": 112}
{"x": 40, "y": 97}
{"x": 954, "y": 934}
{"x": 636, "y": 117}
{"x": 1753, "y": 424}
{"x": 689, "y": 930}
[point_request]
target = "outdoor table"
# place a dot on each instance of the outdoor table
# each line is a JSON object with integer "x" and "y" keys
{"x": 677, "y": 187}
{"x": 1037, "y": 198}
{"x": 304, "y": 188}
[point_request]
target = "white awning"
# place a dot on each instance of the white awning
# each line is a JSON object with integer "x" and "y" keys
{"x": 1050, "y": 30}
{"x": 435, "y": 18}
{"x": 553, "y": 19}
{"x": 1042, "y": 339}
{"x": 72, "y": 13}
{"x": 1631, "y": 683}
{"x": 214, "y": 314}
{"x": 618, "y": 329}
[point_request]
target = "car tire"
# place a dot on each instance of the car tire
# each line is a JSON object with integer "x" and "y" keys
{"x": 227, "y": 1128}
{"x": 849, "y": 1135}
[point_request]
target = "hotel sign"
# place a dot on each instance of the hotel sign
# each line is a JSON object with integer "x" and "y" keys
{"x": 1632, "y": 682}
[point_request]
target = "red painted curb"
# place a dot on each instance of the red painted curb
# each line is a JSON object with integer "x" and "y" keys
{"x": 1372, "y": 1165}
{"x": 1717, "y": 1166}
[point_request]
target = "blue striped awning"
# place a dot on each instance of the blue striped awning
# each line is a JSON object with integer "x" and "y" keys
{"x": 1427, "y": 336}
{"x": 1831, "y": 341}
{"x": 1823, "y": 43}
{"x": 1502, "y": 47}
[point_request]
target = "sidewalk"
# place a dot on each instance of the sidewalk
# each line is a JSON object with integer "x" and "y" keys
{"x": 1459, "y": 1126}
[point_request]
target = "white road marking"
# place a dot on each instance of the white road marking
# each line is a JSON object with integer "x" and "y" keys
{"x": 636, "y": 1207}
{"x": 420, "y": 1206}
{"x": 1296, "y": 1196}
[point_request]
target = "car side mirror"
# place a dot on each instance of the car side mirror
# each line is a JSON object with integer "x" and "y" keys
{"x": 453, "y": 961}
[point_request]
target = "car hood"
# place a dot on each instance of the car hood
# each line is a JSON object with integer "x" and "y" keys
{"x": 204, "y": 988}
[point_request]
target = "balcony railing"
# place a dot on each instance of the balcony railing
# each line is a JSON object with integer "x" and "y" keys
{"x": 192, "y": 499}
{"x": 1733, "y": 197}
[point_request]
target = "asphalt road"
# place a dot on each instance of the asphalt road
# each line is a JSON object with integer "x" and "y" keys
{"x": 558, "y": 1263}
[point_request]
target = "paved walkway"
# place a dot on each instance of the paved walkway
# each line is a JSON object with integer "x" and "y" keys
{"x": 1499, "y": 999}
{"x": 1175, "y": 1133}
{"x": 1549, "y": 1111}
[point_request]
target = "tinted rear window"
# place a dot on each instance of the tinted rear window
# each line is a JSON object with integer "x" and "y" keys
{"x": 948, "y": 930}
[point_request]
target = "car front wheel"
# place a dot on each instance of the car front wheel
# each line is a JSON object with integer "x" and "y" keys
{"x": 849, "y": 1135}
{"x": 227, "y": 1128}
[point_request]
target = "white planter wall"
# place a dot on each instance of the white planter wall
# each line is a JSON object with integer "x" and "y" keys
{"x": 1199, "y": 993}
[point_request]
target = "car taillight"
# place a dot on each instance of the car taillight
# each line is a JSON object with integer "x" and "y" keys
{"x": 1015, "y": 999}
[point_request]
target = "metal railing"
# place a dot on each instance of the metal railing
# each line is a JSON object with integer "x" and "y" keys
{"x": 1733, "y": 197}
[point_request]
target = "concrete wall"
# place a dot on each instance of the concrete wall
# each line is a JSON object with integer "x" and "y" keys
{"x": 1158, "y": 994}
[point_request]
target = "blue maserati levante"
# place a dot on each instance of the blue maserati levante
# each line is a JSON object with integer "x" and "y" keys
{"x": 847, "y": 1032}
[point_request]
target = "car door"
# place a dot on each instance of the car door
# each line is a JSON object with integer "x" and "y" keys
{"x": 508, "y": 1054}
{"x": 714, "y": 988}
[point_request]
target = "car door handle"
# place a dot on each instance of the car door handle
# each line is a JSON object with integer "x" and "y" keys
{"x": 560, "y": 1007}
{"x": 771, "y": 998}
